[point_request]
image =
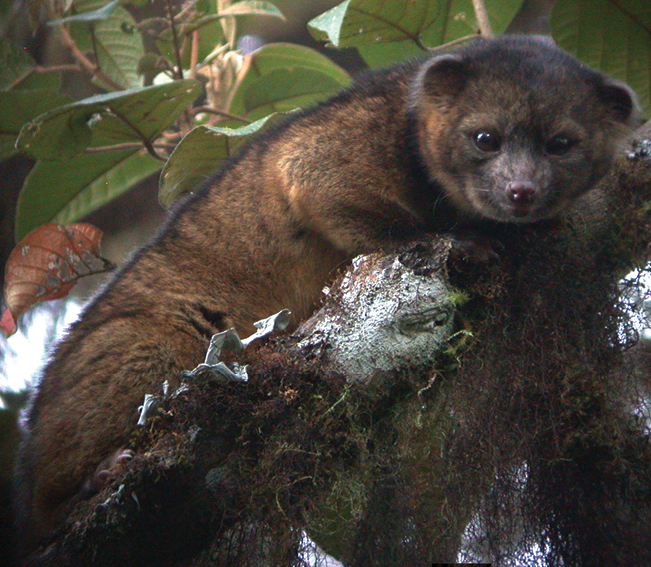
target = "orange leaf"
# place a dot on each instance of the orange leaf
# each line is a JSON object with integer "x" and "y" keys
{"x": 47, "y": 263}
{"x": 7, "y": 323}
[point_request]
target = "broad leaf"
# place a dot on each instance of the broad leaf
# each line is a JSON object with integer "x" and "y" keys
{"x": 17, "y": 70}
{"x": 66, "y": 131}
{"x": 359, "y": 22}
{"x": 199, "y": 155}
{"x": 285, "y": 89}
{"x": 119, "y": 47}
{"x": 614, "y": 37}
{"x": 102, "y": 13}
{"x": 15, "y": 63}
{"x": 82, "y": 184}
{"x": 19, "y": 107}
{"x": 272, "y": 66}
{"x": 387, "y": 32}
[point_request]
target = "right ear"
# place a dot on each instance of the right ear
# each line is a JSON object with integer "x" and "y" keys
{"x": 621, "y": 102}
{"x": 442, "y": 79}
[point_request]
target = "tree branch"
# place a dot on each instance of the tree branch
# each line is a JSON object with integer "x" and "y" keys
{"x": 482, "y": 18}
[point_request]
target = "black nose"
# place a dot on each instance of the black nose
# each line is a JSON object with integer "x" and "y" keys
{"x": 521, "y": 192}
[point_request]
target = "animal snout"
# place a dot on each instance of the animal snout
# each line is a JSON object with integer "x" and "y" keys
{"x": 521, "y": 192}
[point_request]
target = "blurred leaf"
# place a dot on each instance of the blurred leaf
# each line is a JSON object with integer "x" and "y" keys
{"x": 100, "y": 14}
{"x": 285, "y": 89}
{"x": 16, "y": 70}
{"x": 252, "y": 8}
{"x": 39, "y": 81}
{"x": 384, "y": 54}
{"x": 82, "y": 184}
{"x": 228, "y": 13}
{"x": 211, "y": 32}
{"x": 47, "y": 263}
{"x": 614, "y": 37}
{"x": 388, "y": 32}
{"x": 266, "y": 73}
{"x": 66, "y": 131}
{"x": 7, "y": 323}
{"x": 119, "y": 48}
{"x": 19, "y": 107}
{"x": 15, "y": 63}
{"x": 34, "y": 10}
{"x": 198, "y": 156}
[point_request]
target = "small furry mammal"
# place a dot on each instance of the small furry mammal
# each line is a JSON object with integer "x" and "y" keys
{"x": 508, "y": 130}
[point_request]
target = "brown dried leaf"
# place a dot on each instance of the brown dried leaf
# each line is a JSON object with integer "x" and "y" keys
{"x": 47, "y": 263}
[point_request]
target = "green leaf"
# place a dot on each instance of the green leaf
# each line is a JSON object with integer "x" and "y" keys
{"x": 17, "y": 70}
{"x": 614, "y": 37}
{"x": 359, "y": 22}
{"x": 19, "y": 107}
{"x": 82, "y": 184}
{"x": 102, "y": 13}
{"x": 370, "y": 25}
{"x": 285, "y": 89}
{"x": 384, "y": 54}
{"x": 119, "y": 48}
{"x": 199, "y": 155}
{"x": 66, "y": 131}
{"x": 272, "y": 66}
{"x": 15, "y": 63}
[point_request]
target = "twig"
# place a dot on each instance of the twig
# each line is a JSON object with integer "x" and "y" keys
{"x": 482, "y": 18}
{"x": 55, "y": 68}
{"x": 175, "y": 42}
{"x": 126, "y": 146}
{"x": 41, "y": 69}
{"x": 453, "y": 43}
{"x": 194, "y": 54}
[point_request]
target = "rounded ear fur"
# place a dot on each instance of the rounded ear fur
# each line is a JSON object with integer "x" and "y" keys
{"x": 621, "y": 102}
{"x": 441, "y": 79}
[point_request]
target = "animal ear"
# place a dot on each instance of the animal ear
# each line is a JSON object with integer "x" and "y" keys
{"x": 621, "y": 102}
{"x": 443, "y": 78}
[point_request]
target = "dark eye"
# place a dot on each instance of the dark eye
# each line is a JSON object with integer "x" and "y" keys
{"x": 487, "y": 141}
{"x": 559, "y": 145}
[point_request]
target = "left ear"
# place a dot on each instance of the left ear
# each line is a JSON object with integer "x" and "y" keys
{"x": 621, "y": 102}
{"x": 441, "y": 79}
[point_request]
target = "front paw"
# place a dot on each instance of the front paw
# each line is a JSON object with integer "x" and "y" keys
{"x": 107, "y": 470}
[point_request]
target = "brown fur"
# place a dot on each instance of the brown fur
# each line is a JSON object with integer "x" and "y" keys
{"x": 388, "y": 160}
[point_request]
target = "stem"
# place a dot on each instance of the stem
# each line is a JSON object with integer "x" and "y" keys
{"x": 86, "y": 63}
{"x": 482, "y": 18}
{"x": 55, "y": 68}
{"x": 194, "y": 54}
{"x": 452, "y": 43}
{"x": 151, "y": 150}
{"x": 175, "y": 41}
{"x": 41, "y": 69}
{"x": 127, "y": 146}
